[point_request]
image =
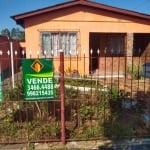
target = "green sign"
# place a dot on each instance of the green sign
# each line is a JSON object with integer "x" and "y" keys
{"x": 0, "y": 87}
{"x": 38, "y": 79}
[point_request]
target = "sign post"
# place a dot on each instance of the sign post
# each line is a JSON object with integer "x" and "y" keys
{"x": 38, "y": 77}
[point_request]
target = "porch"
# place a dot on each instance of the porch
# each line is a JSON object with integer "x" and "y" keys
{"x": 112, "y": 53}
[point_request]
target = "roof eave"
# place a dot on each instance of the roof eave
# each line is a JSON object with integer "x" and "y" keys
{"x": 23, "y": 16}
{"x": 20, "y": 18}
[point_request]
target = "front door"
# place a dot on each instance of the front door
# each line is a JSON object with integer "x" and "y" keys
{"x": 93, "y": 53}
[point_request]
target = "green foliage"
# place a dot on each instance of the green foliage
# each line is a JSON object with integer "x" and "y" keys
{"x": 71, "y": 93}
{"x": 115, "y": 101}
{"x": 82, "y": 82}
{"x": 17, "y": 34}
{"x": 119, "y": 130}
{"x": 85, "y": 132}
{"x": 8, "y": 128}
{"x": 45, "y": 130}
{"x": 84, "y": 112}
{"x": 16, "y": 93}
{"x": 94, "y": 113}
{"x": 14, "y": 33}
{"x": 134, "y": 70}
{"x": 5, "y": 32}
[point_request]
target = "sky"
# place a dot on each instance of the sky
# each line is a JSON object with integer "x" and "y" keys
{"x": 10, "y": 8}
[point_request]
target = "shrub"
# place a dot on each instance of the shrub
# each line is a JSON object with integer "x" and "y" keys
{"x": 134, "y": 70}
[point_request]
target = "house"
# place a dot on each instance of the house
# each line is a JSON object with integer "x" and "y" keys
{"x": 88, "y": 29}
{"x": 6, "y": 45}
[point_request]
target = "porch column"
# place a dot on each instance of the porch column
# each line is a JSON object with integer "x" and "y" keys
{"x": 129, "y": 48}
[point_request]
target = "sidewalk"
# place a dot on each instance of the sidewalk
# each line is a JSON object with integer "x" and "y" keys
{"x": 74, "y": 145}
{"x": 126, "y": 144}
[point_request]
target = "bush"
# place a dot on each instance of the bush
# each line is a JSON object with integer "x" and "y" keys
{"x": 134, "y": 70}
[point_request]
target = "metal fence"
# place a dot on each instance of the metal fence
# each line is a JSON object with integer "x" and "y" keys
{"x": 111, "y": 101}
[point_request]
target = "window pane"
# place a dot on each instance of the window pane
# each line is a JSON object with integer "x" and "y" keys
{"x": 63, "y": 42}
{"x": 52, "y": 42}
{"x": 46, "y": 43}
{"x": 73, "y": 43}
{"x": 55, "y": 43}
{"x": 116, "y": 45}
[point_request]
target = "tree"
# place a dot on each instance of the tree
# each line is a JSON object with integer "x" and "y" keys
{"x": 14, "y": 33}
{"x": 5, "y": 32}
{"x": 17, "y": 34}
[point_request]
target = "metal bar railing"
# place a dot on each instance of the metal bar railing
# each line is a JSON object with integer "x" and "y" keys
{"x": 97, "y": 104}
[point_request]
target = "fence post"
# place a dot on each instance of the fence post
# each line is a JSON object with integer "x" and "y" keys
{"x": 62, "y": 90}
{"x": 12, "y": 65}
{"x": 0, "y": 84}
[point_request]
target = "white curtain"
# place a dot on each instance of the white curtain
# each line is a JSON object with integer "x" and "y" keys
{"x": 46, "y": 43}
{"x": 73, "y": 44}
{"x": 54, "y": 41}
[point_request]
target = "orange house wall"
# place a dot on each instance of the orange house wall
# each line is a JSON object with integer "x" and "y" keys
{"x": 83, "y": 20}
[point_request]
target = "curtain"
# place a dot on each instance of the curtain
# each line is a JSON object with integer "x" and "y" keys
{"x": 46, "y": 42}
{"x": 52, "y": 42}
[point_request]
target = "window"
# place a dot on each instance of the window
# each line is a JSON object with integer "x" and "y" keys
{"x": 141, "y": 43}
{"x": 52, "y": 42}
{"x": 116, "y": 44}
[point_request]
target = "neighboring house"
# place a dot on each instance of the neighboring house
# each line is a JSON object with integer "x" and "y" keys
{"x": 82, "y": 25}
{"x": 5, "y": 57}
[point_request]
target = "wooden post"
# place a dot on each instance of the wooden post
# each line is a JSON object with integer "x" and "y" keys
{"x": 62, "y": 90}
